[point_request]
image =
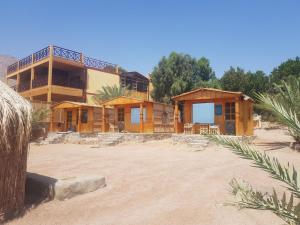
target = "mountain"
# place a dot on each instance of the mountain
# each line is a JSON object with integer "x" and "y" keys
{"x": 5, "y": 61}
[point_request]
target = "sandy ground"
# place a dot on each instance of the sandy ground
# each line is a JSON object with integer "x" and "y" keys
{"x": 155, "y": 183}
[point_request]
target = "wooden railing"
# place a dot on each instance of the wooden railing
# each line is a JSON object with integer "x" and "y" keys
{"x": 65, "y": 54}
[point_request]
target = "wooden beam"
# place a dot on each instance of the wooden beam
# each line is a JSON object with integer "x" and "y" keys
{"x": 18, "y": 82}
{"x": 103, "y": 118}
{"x": 176, "y": 117}
{"x": 31, "y": 79}
{"x": 141, "y": 118}
{"x": 237, "y": 117}
{"x": 50, "y": 74}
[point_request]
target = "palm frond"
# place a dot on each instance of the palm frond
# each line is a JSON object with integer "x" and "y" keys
{"x": 285, "y": 115}
{"x": 286, "y": 174}
{"x": 110, "y": 92}
{"x": 247, "y": 197}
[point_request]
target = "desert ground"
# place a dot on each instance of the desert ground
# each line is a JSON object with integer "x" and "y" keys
{"x": 155, "y": 183}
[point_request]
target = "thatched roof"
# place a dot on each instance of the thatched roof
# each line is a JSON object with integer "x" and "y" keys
{"x": 15, "y": 120}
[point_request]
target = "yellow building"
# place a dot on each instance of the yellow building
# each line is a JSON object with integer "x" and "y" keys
{"x": 56, "y": 74}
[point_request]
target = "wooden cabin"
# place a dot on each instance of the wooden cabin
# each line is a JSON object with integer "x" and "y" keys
{"x": 76, "y": 116}
{"x": 207, "y": 109}
{"x": 139, "y": 116}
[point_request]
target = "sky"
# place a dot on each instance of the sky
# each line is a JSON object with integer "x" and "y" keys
{"x": 251, "y": 34}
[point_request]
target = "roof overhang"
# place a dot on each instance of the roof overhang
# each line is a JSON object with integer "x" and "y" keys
{"x": 210, "y": 94}
{"x": 123, "y": 100}
{"x": 69, "y": 105}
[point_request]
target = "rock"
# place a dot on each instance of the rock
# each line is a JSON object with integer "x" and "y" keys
{"x": 65, "y": 189}
{"x": 41, "y": 188}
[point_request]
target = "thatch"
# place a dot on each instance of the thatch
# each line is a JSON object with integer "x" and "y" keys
{"x": 15, "y": 127}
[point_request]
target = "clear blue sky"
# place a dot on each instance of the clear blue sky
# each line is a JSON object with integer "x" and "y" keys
{"x": 252, "y": 34}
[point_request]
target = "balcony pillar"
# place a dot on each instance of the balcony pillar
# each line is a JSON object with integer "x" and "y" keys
{"x": 50, "y": 74}
{"x": 31, "y": 79}
{"x": 18, "y": 82}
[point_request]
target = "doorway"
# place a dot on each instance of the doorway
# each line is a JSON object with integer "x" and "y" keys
{"x": 121, "y": 119}
{"x": 230, "y": 118}
{"x": 69, "y": 120}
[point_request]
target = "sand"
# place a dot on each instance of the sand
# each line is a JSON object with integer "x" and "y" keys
{"x": 155, "y": 183}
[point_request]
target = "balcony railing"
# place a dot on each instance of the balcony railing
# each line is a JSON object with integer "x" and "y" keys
{"x": 40, "y": 82}
{"x": 101, "y": 65}
{"x": 65, "y": 54}
{"x": 24, "y": 86}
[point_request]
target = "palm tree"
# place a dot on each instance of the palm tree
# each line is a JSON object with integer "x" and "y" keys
{"x": 110, "y": 92}
{"x": 284, "y": 107}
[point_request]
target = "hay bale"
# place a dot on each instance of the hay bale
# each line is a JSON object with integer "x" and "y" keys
{"x": 15, "y": 126}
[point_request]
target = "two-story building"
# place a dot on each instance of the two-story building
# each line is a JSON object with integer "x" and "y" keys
{"x": 55, "y": 74}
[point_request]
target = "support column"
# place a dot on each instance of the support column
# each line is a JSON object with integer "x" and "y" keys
{"x": 141, "y": 118}
{"x": 176, "y": 117}
{"x": 31, "y": 80}
{"x": 103, "y": 119}
{"x": 50, "y": 74}
{"x": 79, "y": 120}
{"x": 18, "y": 82}
{"x": 237, "y": 117}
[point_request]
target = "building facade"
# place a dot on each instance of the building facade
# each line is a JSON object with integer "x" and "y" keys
{"x": 55, "y": 74}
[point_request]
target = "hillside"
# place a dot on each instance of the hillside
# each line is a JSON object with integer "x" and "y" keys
{"x": 5, "y": 61}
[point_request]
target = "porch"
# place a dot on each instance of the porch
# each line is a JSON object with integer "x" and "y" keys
{"x": 213, "y": 111}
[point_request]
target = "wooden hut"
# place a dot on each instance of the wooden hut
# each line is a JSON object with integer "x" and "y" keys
{"x": 208, "y": 110}
{"x": 138, "y": 116}
{"x": 76, "y": 116}
{"x": 15, "y": 126}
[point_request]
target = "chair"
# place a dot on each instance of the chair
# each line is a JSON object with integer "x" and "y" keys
{"x": 214, "y": 129}
{"x": 188, "y": 127}
{"x": 204, "y": 129}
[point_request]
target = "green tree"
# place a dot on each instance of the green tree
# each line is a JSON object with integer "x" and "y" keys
{"x": 110, "y": 92}
{"x": 178, "y": 73}
{"x": 235, "y": 79}
{"x": 289, "y": 68}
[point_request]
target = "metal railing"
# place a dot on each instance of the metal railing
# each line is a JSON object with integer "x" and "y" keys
{"x": 41, "y": 54}
{"x": 101, "y": 65}
{"x": 24, "y": 86}
{"x": 40, "y": 82}
{"x": 65, "y": 54}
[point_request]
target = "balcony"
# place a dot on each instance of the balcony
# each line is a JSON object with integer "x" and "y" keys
{"x": 63, "y": 53}
{"x": 41, "y": 82}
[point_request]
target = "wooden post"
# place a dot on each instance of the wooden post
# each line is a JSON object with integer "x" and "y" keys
{"x": 141, "y": 118}
{"x": 50, "y": 74}
{"x": 103, "y": 118}
{"x": 237, "y": 116}
{"x": 82, "y": 58}
{"x": 79, "y": 120}
{"x": 31, "y": 80}
{"x": 176, "y": 117}
{"x": 117, "y": 69}
{"x": 51, "y": 120}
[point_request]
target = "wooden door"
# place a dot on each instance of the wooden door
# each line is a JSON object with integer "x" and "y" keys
{"x": 230, "y": 118}
{"x": 69, "y": 120}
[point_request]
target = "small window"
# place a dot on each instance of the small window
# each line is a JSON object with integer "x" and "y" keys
{"x": 218, "y": 110}
{"x": 135, "y": 115}
{"x": 121, "y": 114}
{"x": 84, "y": 116}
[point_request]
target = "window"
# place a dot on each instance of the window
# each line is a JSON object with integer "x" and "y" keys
{"x": 84, "y": 116}
{"x": 135, "y": 115}
{"x": 121, "y": 114}
{"x": 230, "y": 111}
{"x": 218, "y": 110}
{"x": 203, "y": 113}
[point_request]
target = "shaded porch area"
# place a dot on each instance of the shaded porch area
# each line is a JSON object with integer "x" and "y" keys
{"x": 135, "y": 115}
{"x": 77, "y": 117}
{"x": 213, "y": 111}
